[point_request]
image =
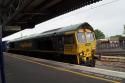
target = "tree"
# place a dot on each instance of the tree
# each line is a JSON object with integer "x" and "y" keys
{"x": 99, "y": 34}
{"x": 116, "y": 36}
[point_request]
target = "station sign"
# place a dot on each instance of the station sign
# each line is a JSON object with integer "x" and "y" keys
{"x": 12, "y": 28}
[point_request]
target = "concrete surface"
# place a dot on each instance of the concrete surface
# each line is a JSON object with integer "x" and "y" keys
{"x": 21, "y": 69}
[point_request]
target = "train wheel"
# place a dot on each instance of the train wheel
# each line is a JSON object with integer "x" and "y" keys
{"x": 87, "y": 62}
{"x": 92, "y": 63}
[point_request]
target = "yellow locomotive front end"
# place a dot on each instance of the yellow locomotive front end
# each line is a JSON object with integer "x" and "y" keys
{"x": 81, "y": 43}
{"x": 86, "y": 45}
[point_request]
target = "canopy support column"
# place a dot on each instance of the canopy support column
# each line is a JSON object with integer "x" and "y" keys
{"x": 2, "y": 73}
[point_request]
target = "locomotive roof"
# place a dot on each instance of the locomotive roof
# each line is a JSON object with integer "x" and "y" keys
{"x": 76, "y": 27}
{"x": 56, "y": 31}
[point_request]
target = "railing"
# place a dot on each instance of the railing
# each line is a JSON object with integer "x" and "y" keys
{"x": 101, "y": 46}
{"x": 110, "y": 48}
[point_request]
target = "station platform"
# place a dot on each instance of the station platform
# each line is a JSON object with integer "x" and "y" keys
{"x": 24, "y": 69}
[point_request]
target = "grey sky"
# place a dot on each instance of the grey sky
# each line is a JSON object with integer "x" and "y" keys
{"x": 108, "y": 18}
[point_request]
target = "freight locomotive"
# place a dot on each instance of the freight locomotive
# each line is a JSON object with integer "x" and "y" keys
{"x": 75, "y": 40}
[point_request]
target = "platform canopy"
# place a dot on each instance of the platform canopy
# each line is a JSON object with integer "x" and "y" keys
{"x": 16, "y": 15}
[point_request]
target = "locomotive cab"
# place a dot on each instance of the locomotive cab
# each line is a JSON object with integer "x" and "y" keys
{"x": 86, "y": 45}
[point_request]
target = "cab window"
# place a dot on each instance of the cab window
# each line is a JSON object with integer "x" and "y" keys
{"x": 69, "y": 39}
{"x": 81, "y": 37}
{"x": 90, "y": 36}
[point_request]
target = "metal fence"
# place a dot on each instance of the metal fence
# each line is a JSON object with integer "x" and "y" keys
{"x": 113, "y": 45}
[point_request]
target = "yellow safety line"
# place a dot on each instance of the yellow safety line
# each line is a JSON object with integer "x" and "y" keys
{"x": 63, "y": 69}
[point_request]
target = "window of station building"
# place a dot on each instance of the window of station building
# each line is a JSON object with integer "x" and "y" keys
{"x": 81, "y": 37}
{"x": 69, "y": 39}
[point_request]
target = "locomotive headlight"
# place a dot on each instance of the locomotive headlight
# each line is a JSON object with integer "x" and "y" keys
{"x": 81, "y": 54}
